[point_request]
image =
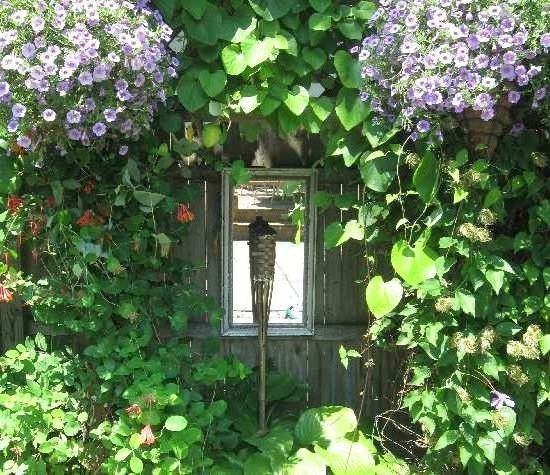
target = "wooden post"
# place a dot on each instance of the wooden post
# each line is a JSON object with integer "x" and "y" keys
{"x": 11, "y": 325}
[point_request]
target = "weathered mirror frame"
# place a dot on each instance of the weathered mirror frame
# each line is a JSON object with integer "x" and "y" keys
{"x": 305, "y": 328}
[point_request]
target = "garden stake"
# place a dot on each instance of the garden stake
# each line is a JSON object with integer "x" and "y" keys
{"x": 262, "y": 270}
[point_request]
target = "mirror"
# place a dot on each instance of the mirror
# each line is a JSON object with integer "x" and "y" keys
{"x": 283, "y": 199}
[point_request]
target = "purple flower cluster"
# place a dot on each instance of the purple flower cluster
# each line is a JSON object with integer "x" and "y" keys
{"x": 425, "y": 59}
{"x": 80, "y": 71}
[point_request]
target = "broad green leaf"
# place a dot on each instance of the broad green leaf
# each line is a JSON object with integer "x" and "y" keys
{"x": 9, "y": 177}
{"x": 175, "y": 423}
{"x": 256, "y": 51}
{"x": 426, "y": 176}
{"x": 320, "y": 22}
{"x": 544, "y": 344}
{"x": 206, "y": 29}
{"x": 250, "y": 99}
{"x": 122, "y": 454}
{"x": 304, "y": 462}
{"x": 488, "y": 446}
{"x": 322, "y": 107}
{"x": 459, "y": 194}
{"x": 414, "y": 264}
{"x": 271, "y": 9}
{"x": 196, "y": 8}
{"x": 364, "y": 10}
{"x": 348, "y": 69}
{"x": 233, "y": 60}
{"x": 333, "y": 233}
{"x": 136, "y": 465}
{"x": 297, "y": 100}
{"x": 256, "y": 464}
{"x": 324, "y": 424}
{"x": 135, "y": 441}
{"x": 315, "y": 57}
{"x": 236, "y": 28}
{"x": 495, "y": 278}
{"x": 345, "y": 457}
{"x": 167, "y": 8}
{"x": 379, "y": 173}
{"x": 351, "y": 29}
{"x": 350, "y": 109}
{"x": 383, "y": 297}
{"x": 320, "y": 5}
{"x": 377, "y": 132}
{"x": 191, "y": 95}
{"x": 212, "y": 83}
{"x": 509, "y": 417}
{"x": 171, "y": 122}
{"x": 449, "y": 437}
{"x": 466, "y": 301}
{"x": 147, "y": 198}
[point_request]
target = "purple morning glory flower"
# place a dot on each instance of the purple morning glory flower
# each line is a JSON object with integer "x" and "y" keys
{"x": 24, "y": 141}
{"x": 73, "y": 117}
{"x": 48, "y": 115}
{"x": 517, "y": 129}
{"x": 110, "y": 115}
{"x": 423, "y": 126}
{"x": 74, "y": 134}
{"x": 18, "y": 110}
{"x": 28, "y": 50}
{"x": 12, "y": 126}
{"x": 123, "y": 150}
{"x": 499, "y": 400}
{"x": 509, "y": 57}
{"x": 4, "y": 88}
{"x": 354, "y": 49}
{"x": 99, "y": 129}
{"x": 540, "y": 94}
{"x": 514, "y": 97}
{"x": 85, "y": 78}
{"x": 545, "y": 40}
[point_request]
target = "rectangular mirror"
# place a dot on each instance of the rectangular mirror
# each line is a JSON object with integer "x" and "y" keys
{"x": 283, "y": 198}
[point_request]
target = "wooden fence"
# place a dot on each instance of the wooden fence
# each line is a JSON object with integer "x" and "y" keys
{"x": 340, "y": 313}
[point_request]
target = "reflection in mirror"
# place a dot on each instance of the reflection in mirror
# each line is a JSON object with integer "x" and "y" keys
{"x": 282, "y": 203}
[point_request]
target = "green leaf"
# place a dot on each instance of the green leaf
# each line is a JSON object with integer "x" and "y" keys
{"x": 315, "y": 57}
{"x": 136, "y": 465}
{"x": 350, "y": 109}
{"x": 239, "y": 173}
{"x": 377, "y": 132}
{"x": 383, "y": 297}
{"x": 196, "y": 8}
{"x": 544, "y": 344}
{"x": 333, "y": 233}
{"x": 324, "y": 424}
{"x": 297, "y": 100}
{"x": 135, "y": 441}
{"x": 495, "y": 278}
{"x": 206, "y": 29}
{"x": 466, "y": 302}
{"x": 250, "y": 99}
{"x": 191, "y": 95}
{"x": 167, "y": 8}
{"x": 147, "y": 198}
{"x": 449, "y": 437}
{"x": 233, "y": 60}
{"x": 212, "y": 83}
{"x": 304, "y": 462}
{"x": 379, "y": 173}
{"x": 175, "y": 423}
{"x": 414, "y": 265}
{"x": 348, "y": 69}
{"x": 9, "y": 176}
{"x": 426, "y": 176}
{"x": 320, "y": 5}
{"x": 271, "y": 9}
{"x": 320, "y": 22}
{"x": 256, "y": 51}
{"x": 351, "y": 29}
{"x": 122, "y": 454}
{"x": 346, "y": 457}
{"x": 171, "y": 122}
{"x": 256, "y": 464}
{"x": 459, "y": 194}
{"x": 322, "y": 107}
{"x": 488, "y": 446}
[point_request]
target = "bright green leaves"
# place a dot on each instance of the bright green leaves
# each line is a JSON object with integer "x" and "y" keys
{"x": 466, "y": 302}
{"x": 271, "y": 9}
{"x": 233, "y": 60}
{"x": 348, "y": 69}
{"x": 9, "y": 178}
{"x": 447, "y": 438}
{"x": 175, "y": 423}
{"x": 320, "y": 22}
{"x": 377, "y": 133}
{"x": 136, "y": 464}
{"x": 320, "y": 5}
{"x": 336, "y": 234}
{"x": 315, "y": 57}
{"x": 350, "y": 109}
{"x": 383, "y": 297}
{"x": 322, "y": 107}
{"x": 205, "y": 29}
{"x": 297, "y": 100}
{"x": 544, "y": 344}
{"x": 379, "y": 172}
{"x": 250, "y": 99}
{"x": 324, "y": 424}
{"x": 413, "y": 264}
{"x": 212, "y": 83}
{"x": 256, "y": 51}
{"x": 425, "y": 177}
{"x": 495, "y": 278}
{"x": 196, "y": 8}
{"x": 191, "y": 95}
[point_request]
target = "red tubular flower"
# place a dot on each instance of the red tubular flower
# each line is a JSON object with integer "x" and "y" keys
{"x": 14, "y": 203}
{"x": 6, "y": 295}
{"x": 147, "y": 437}
{"x": 86, "y": 218}
{"x": 133, "y": 410}
{"x": 35, "y": 226}
{"x": 184, "y": 214}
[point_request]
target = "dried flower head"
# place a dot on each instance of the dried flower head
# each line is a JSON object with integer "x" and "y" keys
{"x": 516, "y": 375}
{"x": 486, "y": 339}
{"x": 184, "y": 214}
{"x": 6, "y": 295}
{"x": 522, "y": 439}
{"x": 412, "y": 160}
{"x": 146, "y": 436}
{"x": 133, "y": 410}
{"x": 486, "y": 217}
{"x": 474, "y": 233}
{"x": 444, "y": 304}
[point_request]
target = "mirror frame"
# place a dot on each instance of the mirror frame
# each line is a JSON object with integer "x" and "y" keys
{"x": 305, "y": 328}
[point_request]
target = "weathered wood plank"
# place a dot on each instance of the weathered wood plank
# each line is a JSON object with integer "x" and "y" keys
{"x": 11, "y": 325}
{"x": 213, "y": 231}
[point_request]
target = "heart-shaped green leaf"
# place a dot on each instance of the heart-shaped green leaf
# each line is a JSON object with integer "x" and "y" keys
{"x": 350, "y": 109}
{"x": 348, "y": 69}
{"x": 315, "y": 57}
{"x": 233, "y": 60}
{"x": 414, "y": 265}
{"x": 383, "y": 297}
{"x": 213, "y": 83}
{"x": 297, "y": 100}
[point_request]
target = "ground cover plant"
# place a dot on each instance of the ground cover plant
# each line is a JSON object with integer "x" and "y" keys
{"x": 456, "y": 240}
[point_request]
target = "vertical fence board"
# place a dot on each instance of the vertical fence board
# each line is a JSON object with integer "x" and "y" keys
{"x": 213, "y": 240}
